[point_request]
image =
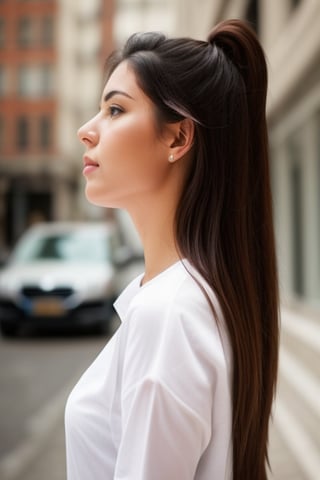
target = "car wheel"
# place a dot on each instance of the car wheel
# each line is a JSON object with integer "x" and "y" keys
{"x": 8, "y": 329}
{"x": 102, "y": 328}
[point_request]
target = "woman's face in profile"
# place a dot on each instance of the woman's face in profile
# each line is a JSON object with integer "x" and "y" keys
{"x": 126, "y": 160}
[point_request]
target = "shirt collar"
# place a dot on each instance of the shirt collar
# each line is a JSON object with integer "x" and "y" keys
{"x": 124, "y": 300}
{"x": 122, "y": 303}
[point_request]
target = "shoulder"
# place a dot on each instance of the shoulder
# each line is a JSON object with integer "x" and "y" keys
{"x": 172, "y": 292}
{"x": 177, "y": 305}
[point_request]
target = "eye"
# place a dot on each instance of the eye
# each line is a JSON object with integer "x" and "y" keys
{"x": 115, "y": 110}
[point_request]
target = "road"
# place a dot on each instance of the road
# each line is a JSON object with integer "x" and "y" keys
{"x": 37, "y": 372}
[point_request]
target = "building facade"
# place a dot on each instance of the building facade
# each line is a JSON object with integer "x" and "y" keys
{"x": 293, "y": 47}
{"x": 290, "y": 34}
{"x": 50, "y": 79}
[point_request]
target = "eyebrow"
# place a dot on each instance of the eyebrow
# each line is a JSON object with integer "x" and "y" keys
{"x": 116, "y": 92}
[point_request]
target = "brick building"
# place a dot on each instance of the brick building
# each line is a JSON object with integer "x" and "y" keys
{"x": 50, "y": 78}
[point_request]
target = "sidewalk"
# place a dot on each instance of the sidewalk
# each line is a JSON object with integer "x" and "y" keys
{"x": 295, "y": 432}
{"x": 283, "y": 464}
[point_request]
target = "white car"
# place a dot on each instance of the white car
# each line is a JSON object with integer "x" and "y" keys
{"x": 61, "y": 274}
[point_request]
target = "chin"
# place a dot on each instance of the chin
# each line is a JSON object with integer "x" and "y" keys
{"x": 94, "y": 200}
{"x": 100, "y": 202}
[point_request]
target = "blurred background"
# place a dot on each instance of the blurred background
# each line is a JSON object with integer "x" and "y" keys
{"x": 51, "y": 76}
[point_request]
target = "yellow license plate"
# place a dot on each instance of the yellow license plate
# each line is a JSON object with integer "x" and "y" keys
{"x": 48, "y": 307}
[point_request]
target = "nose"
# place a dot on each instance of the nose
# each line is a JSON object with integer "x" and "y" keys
{"x": 87, "y": 134}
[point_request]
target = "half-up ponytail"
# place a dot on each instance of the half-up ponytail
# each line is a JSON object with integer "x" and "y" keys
{"x": 240, "y": 45}
{"x": 224, "y": 221}
{"x": 254, "y": 320}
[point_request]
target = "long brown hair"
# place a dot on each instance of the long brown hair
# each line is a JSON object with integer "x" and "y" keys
{"x": 224, "y": 223}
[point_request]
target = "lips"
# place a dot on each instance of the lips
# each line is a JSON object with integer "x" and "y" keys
{"x": 88, "y": 162}
{"x": 89, "y": 165}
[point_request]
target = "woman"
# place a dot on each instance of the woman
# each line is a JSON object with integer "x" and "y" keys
{"x": 184, "y": 388}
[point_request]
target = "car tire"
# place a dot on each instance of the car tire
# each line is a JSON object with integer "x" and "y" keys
{"x": 8, "y": 329}
{"x": 102, "y": 329}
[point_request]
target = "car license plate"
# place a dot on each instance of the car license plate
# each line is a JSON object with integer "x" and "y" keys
{"x": 48, "y": 307}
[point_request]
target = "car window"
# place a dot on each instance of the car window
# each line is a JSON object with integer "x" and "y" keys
{"x": 78, "y": 246}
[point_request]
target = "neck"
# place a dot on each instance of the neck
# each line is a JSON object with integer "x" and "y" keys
{"x": 154, "y": 217}
{"x": 155, "y": 225}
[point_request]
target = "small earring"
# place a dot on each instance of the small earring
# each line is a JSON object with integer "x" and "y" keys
{"x": 171, "y": 158}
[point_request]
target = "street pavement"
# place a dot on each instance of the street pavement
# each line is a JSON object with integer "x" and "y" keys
{"x": 37, "y": 372}
{"x": 295, "y": 432}
{"x": 294, "y": 435}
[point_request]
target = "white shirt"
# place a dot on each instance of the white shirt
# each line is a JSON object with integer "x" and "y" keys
{"x": 156, "y": 402}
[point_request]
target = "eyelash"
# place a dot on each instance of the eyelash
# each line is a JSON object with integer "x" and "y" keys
{"x": 114, "y": 110}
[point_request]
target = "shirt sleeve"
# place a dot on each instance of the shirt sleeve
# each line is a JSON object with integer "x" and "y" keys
{"x": 168, "y": 387}
{"x": 162, "y": 436}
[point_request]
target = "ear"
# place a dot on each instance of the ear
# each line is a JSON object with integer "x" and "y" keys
{"x": 181, "y": 140}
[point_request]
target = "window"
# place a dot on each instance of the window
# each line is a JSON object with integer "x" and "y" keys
{"x": 46, "y": 79}
{"x": 22, "y": 133}
{"x": 318, "y": 176}
{"x": 3, "y": 86}
{"x": 252, "y": 14}
{"x": 297, "y": 233}
{"x": 2, "y": 32}
{"x": 47, "y": 31}
{"x": 35, "y": 81}
{"x": 2, "y": 133}
{"x": 295, "y": 3}
{"x": 25, "y": 32}
{"x": 45, "y": 132}
{"x": 27, "y": 82}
